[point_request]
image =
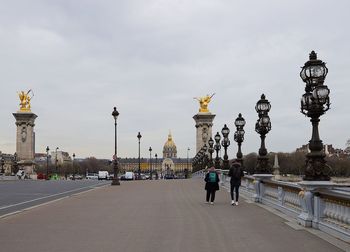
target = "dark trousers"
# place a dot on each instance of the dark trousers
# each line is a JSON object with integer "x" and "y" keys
{"x": 236, "y": 189}
{"x": 211, "y": 195}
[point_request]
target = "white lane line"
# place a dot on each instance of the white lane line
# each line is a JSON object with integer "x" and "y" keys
{"x": 51, "y": 201}
{"x": 45, "y": 197}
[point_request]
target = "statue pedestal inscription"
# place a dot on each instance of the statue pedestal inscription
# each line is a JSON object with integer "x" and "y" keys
{"x": 25, "y": 140}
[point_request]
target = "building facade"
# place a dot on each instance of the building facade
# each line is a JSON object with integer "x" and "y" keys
{"x": 168, "y": 164}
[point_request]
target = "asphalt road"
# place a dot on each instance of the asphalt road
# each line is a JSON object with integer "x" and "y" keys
{"x": 21, "y": 194}
{"x": 153, "y": 216}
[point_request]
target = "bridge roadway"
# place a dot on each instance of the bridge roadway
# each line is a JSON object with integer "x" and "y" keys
{"x": 152, "y": 216}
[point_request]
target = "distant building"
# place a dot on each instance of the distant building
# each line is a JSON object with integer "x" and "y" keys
{"x": 169, "y": 164}
{"x": 61, "y": 157}
{"x": 328, "y": 149}
{"x": 8, "y": 162}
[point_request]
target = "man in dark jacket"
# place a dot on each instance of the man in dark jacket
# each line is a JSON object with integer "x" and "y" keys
{"x": 236, "y": 174}
{"x": 211, "y": 185}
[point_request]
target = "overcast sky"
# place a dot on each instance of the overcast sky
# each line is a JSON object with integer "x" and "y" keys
{"x": 150, "y": 58}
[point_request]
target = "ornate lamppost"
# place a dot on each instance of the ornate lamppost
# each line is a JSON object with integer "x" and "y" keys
{"x": 2, "y": 163}
{"x": 225, "y": 143}
{"x": 217, "y": 148}
{"x": 73, "y": 166}
{"x": 115, "y": 180}
{"x": 47, "y": 162}
{"x": 156, "y": 165}
{"x": 314, "y": 103}
{"x": 150, "y": 163}
{"x": 139, "y": 170}
{"x": 211, "y": 150}
{"x": 239, "y": 136}
{"x": 205, "y": 155}
{"x": 262, "y": 127}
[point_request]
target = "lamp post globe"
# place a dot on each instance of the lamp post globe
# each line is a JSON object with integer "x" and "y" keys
{"x": 115, "y": 180}
{"x": 139, "y": 169}
{"x": 262, "y": 127}
{"x": 314, "y": 103}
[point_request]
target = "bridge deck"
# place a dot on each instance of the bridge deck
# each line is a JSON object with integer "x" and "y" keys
{"x": 152, "y": 216}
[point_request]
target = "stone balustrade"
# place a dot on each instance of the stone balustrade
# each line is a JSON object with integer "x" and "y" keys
{"x": 326, "y": 209}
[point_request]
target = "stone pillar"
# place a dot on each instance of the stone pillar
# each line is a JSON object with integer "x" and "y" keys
{"x": 204, "y": 123}
{"x": 276, "y": 168}
{"x": 25, "y": 140}
{"x": 310, "y": 214}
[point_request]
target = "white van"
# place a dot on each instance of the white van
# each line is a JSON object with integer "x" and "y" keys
{"x": 129, "y": 176}
{"x": 103, "y": 175}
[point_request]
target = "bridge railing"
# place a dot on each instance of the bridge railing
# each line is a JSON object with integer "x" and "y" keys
{"x": 332, "y": 212}
{"x": 325, "y": 209}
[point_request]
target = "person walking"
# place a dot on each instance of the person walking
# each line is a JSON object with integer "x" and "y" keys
{"x": 211, "y": 185}
{"x": 236, "y": 174}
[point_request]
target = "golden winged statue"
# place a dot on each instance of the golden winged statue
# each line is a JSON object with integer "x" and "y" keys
{"x": 203, "y": 103}
{"x": 25, "y": 97}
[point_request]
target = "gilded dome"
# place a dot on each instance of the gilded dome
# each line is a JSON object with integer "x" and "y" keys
{"x": 169, "y": 149}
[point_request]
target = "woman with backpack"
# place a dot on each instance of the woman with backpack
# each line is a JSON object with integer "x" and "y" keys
{"x": 236, "y": 174}
{"x": 211, "y": 185}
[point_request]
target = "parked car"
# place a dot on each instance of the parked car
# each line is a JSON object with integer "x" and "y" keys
{"x": 92, "y": 176}
{"x": 128, "y": 176}
{"x": 169, "y": 176}
{"x": 75, "y": 177}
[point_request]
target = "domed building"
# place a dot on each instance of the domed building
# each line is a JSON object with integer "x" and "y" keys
{"x": 169, "y": 149}
{"x": 169, "y": 165}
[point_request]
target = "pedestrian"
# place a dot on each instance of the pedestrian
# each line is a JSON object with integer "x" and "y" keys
{"x": 236, "y": 174}
{"x": 211, "y": 185}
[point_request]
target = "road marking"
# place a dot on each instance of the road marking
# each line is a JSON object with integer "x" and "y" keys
{"x": 51, "y": 201}
{"x": 45, "y": 197}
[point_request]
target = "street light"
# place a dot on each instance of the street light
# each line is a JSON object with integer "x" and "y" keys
{"x": 115, "y": 180}
{"x": 156, "y": 168}
{"x": 314, "y": 103}
{"x": 225, "y": 143}
{"x": 73, "y": 166}
{"x": 239, "y": 136}
{"x": 217, "y": 148}
{"x": 56, "y": 160}
{"x": 47, "y": 162}
{"x": 211, "y": 150}
{"x": 150, "y": 163}
{"x": 139, "y": 170}
{"x": 187, "y": 165}
{"x": 263, "y": 126}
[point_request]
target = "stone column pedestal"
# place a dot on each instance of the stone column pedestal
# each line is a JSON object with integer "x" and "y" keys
{"x": 25, "y": 141}
{"x": 204, "y": 123}
{"x": 259, "y": 186}
{"x": 310, "y": 213}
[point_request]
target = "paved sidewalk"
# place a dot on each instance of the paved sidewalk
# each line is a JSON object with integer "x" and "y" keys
{"x": 152, "y": 216}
